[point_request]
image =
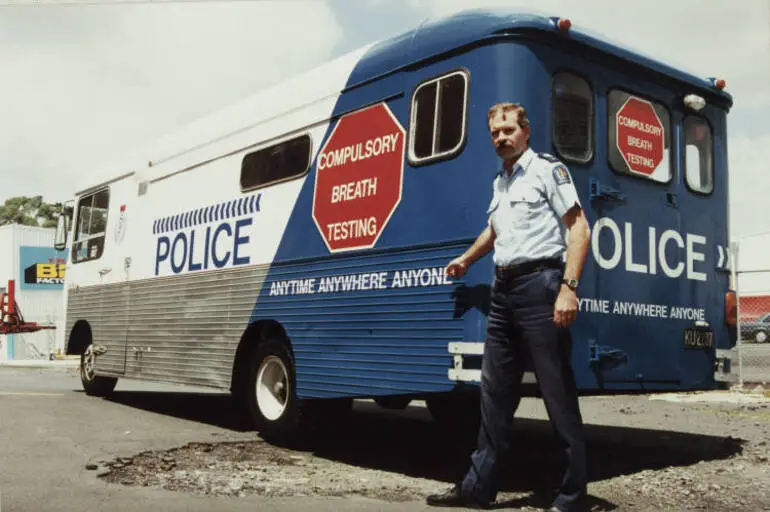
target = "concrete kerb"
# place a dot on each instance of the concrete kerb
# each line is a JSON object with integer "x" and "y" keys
{"x": 747, "y": 395}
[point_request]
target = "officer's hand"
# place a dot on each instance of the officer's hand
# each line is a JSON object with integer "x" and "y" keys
{"x": 456, "y": 268}
{"x": 565, "y": 309}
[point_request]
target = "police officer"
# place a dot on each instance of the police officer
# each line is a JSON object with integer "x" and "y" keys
{"x": 533, "y": 303}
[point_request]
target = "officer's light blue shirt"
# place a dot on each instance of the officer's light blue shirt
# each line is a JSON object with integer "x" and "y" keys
{"x": 527, "y": 207}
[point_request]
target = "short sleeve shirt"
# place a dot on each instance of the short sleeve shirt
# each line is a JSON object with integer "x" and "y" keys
{"x": 527, "y": 208}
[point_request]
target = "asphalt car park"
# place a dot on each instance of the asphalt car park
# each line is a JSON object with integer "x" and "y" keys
{"x": 162, "y": 447}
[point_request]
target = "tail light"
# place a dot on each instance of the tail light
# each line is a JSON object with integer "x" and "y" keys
{"x": 731, "y": 308}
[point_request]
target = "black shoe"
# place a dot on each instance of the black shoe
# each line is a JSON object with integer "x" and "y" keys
{"x": 455, "y": 498}
{"x": 578, "y": 507}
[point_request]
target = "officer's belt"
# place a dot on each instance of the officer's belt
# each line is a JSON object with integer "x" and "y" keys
{"x": 513, "y": 271}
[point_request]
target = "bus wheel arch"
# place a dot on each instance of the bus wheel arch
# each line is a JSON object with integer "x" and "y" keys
{"x": 81, "y": 343}
{"x": 80, "y": 337}
{"x": 255, "y": 334}
{"x": 265, "y": 389}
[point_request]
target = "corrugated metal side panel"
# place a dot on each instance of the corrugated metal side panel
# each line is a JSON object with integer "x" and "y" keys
{"x": 89, "y": 304}
{"x": 369, "y": 342}
{"x": 12, "y": 237}
{"x": 36, "y": 237}
{"x": 111, "y": 330}
{"x": 35, "y": 345}
{"x": 9, "y": 253}
{"x": 186, "y": 329}
{"x": 43, "y": 307}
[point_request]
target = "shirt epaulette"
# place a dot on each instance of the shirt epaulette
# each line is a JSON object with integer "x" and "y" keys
{"x": 549, "y": 158}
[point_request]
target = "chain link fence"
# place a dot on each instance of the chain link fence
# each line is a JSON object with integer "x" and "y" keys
{"x": 751, "y": 257}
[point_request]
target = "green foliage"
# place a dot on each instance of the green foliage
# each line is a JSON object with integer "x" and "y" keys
{"x": 30, "y": 211}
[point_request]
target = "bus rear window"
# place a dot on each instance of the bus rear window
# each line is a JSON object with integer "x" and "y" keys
{"x": 639, "y": 132}
{"x": 573, "y": 110}
{"x": 698, "y": 160}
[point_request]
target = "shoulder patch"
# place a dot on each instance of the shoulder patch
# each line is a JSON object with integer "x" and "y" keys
{"x": 560, "y": 175}
{"x": 548, "y": 158}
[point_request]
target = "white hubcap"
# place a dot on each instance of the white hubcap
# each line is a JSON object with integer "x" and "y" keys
{"x": 761, "y": 337}
{"x": 88, "y": 363}
{"x": 272, "y": 388}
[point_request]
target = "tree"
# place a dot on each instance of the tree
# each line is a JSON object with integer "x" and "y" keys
{"x": 30, "y": 211}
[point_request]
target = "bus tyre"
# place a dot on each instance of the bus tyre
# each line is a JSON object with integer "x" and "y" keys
{"x": 270, "y": 395}
{"x": 94, "y": 385}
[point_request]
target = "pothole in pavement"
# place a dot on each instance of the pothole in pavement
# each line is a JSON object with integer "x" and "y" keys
{"x": 258, "y": 468}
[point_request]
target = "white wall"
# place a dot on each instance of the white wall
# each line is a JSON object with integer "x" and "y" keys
{"x": 37, "y": 305}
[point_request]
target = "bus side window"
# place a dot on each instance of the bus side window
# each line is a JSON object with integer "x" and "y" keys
{"x": 438, "y": 115}
{"x": 277, "y": 163}
{"x": 573, "y": 118}
{"x": 88, "y": 243}
{"x": 699, "y": 164}
{"x": 639, "y": 136}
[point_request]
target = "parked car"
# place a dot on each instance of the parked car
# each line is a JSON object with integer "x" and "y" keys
{"x": 757, "y": 330}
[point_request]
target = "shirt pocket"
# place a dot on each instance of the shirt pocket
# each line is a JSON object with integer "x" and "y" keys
{"x": 526, "y": 206}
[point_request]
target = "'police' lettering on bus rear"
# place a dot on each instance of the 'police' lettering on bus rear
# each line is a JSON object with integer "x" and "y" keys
{"x": 201, "y": 249}
{"x": 645, "y": 253}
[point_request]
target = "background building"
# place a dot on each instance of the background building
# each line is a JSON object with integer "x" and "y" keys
{"x": 27, "y": 256}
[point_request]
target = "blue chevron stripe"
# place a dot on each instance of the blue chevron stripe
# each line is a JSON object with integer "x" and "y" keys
{"x": 206, "y": 214}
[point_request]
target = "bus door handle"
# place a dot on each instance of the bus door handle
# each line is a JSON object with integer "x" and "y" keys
{"x": 598, "y": 190}
{"x": 606, "y": 358}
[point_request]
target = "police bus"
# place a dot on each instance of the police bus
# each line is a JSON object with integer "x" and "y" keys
{"x": 291, "y": 249}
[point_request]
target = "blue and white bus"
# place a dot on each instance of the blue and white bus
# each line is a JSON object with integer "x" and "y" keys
{"x": 291, "y": 248}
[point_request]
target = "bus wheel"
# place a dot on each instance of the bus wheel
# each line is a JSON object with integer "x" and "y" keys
{"x": 93, "y": 384}
{"x": 270, "y": 395}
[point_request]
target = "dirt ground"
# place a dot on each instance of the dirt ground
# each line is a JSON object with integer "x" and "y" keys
{"x": 644, "y": 454}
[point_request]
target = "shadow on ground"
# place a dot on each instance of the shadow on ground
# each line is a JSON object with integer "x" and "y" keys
{"x": 216, "y": 409}
{"x": 408, "y": 443}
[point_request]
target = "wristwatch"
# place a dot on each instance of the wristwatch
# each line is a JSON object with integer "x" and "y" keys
{"x": 571, "y": 283}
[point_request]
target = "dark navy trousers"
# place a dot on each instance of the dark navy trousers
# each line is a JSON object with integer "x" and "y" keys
{"x": 520, "y": 324}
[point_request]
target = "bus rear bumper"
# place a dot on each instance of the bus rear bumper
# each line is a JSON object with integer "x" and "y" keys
{"x": 723, "y": 366}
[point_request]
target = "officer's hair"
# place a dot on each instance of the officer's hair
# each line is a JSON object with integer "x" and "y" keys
{"x": 521, "y": 113}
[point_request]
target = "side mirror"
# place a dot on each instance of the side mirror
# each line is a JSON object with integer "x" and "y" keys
{"x": 60, "y": 239}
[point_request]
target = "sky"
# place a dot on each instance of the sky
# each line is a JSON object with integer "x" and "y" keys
{"x": 82, "y": 85}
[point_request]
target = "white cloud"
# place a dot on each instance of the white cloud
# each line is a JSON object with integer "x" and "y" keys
{"x": 749, "y": 185}
{"x": 83, "y": 85}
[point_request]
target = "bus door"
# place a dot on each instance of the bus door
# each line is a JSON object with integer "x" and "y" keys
{"x": 646, "y": 264}
{"x": 703, "y": 203}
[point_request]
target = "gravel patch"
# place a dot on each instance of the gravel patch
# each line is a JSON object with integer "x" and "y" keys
{"x": 643, "y": 455}
{"x": 258, "y": 468}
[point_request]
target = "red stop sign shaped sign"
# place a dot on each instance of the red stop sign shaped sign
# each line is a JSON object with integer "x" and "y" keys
{"x": 359, "y": 176}
{"x": 641, "y": 136}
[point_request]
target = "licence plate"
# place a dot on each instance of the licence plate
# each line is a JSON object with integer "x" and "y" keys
{"x": 698, "y": 338}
